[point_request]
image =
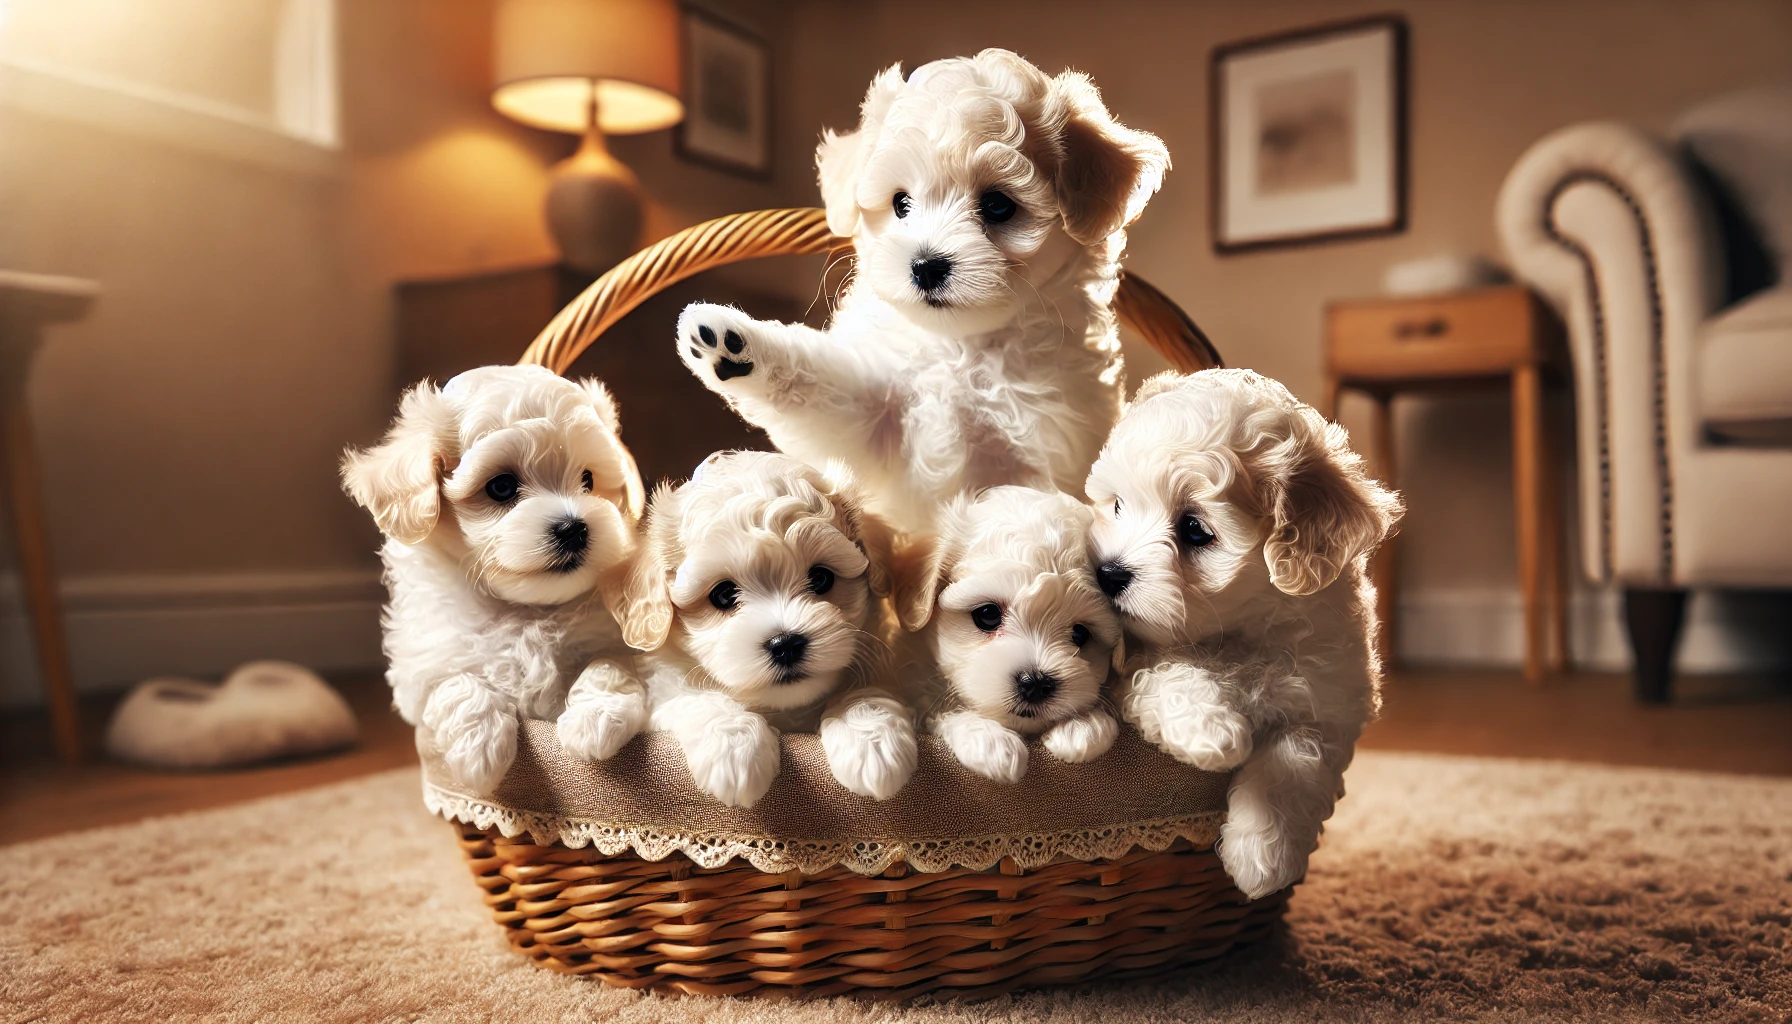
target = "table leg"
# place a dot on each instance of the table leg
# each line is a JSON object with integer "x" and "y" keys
{"x": 1382, "y": 565}
{"x": 1527, "y": 488}
{"x": 39, "y": 581}
{"x": 1556, "y": 573}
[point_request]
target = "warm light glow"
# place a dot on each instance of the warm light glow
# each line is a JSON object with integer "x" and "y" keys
{"x": 563, "y": 105}
{"x": 548, "y": 52}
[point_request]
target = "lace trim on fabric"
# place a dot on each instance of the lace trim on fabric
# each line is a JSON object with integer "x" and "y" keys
{"x": 975, "y": 853}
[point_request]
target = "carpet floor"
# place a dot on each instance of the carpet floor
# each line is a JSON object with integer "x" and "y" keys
{"x": 1447, "y": 889}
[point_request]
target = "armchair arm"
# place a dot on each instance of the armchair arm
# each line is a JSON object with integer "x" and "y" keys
{"x": 1607, "y": 223}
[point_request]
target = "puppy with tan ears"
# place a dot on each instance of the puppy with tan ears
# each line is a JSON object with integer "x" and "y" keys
{"x": 1017, "y": 627}
{"x": 768, "y": 579}
{"x": 976, "y": 344}
{"x": 1233, "y": 534}
{"x": 506, "y": 497}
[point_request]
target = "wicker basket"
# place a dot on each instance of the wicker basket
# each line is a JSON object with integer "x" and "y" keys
{"x": 952, "y": 887}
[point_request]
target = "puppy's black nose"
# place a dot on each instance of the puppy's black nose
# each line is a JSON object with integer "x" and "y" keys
{"x": 1114, "y": 578}
{"x": 570, "y": 536}
{"x": 787, "y": 649}
{"x": 1035, "y": 687}
{"x": 930, "y": 272}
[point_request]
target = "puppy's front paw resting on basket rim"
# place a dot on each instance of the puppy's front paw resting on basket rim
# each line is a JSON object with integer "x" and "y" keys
{"x": 1083, "y": 738}
{"x": 988, "y": 748}
{"x": 732, "y": 752}
{"x": 605, "y": 708}
{"x": 475, "y": 728}
{"x": 1180, "y": 707}
{"x": 870, "y": 745}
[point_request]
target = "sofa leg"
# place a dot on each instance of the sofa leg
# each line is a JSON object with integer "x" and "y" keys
{"x": 1653, "y": 619}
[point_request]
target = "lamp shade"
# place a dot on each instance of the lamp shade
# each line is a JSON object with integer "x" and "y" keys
{"x": 552, "y": 54}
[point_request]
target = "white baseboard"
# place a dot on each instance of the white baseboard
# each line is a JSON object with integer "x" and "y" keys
{"x": 1484, "y": 627}
{"x": 122, "y": 629}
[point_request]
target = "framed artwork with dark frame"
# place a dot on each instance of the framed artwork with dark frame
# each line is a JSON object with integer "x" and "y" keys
{"x": 1309, "y": 135}
{"x": 727, "y": 97}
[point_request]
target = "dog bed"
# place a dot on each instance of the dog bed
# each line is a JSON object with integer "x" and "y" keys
{"x": 624, "y": 871}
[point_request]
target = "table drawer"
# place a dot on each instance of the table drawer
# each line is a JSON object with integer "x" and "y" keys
{"x": 1468, "y": 334}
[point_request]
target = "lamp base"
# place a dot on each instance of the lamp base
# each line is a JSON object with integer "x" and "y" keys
{"x": 594, "y": 207}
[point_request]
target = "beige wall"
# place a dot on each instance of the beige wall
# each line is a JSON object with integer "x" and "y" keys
{"x": 190, "y": 427}
{"x": 1487, "y": 79}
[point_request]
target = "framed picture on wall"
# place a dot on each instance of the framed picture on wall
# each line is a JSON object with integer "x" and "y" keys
{"x": 727, "y": 115}
{"x": 1309, "y": 136}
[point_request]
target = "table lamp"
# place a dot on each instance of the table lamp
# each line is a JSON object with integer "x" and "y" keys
{"x": 590, "y": 67}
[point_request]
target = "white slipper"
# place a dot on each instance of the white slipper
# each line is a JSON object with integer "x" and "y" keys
{"x": 263, "y": 710}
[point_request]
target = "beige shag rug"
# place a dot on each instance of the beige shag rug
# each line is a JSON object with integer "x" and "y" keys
{"x": 1448, "y": 888}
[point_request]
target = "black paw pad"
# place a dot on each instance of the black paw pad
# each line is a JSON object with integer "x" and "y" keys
{"x": 734, "y": 342}
{"x": 709, "y": 336}
{"x": 728, "y": 369}
{"x": 696, "y": 353}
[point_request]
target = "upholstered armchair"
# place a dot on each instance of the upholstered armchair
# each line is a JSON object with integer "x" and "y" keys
{"x": 1664, "y": 258}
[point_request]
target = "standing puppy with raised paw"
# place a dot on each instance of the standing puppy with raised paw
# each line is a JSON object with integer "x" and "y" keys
{"x": 976, "y": 344}
{"x": 1013, "y": 621}
{"x": 1233, "y": 534}
{"x": 508, "y": 502}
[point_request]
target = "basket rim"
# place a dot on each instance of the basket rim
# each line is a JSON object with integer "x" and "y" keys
{"x": 642, "y": 800}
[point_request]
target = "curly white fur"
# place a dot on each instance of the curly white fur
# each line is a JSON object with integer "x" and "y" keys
{"x": 1233, "y": 527}
{"x": 755, "y": 552}
{"x": 1002, "y": 364}
{"x": 491, "y": 610}
{"x": 1010, "y": 617}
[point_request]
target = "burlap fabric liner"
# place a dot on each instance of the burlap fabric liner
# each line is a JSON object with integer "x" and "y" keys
{"x": 643, "y": 800}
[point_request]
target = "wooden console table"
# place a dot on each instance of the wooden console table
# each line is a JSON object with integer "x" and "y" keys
{"x": 1486, "y": 336}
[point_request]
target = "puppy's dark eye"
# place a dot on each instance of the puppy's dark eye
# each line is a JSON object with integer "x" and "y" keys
{"x": 821, "y": 579}
{"x": 1192, "y": 532}
{"x": 585, "y": 481}
{"x": 987, "y": 617}
{"x": 724, "y": 595}
{"x": 996, "y": 207}
{"x": 1116, "y": 508}
{"x": 502, "y": 488}
{"x": 902, "y": 204}
{"x": 1079, "y": 634}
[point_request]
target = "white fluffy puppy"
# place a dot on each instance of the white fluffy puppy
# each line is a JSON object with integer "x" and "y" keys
{"x": 1233, "y": 535}
{"x": 769, "y": 579}
{"x": 1016, "y": 625}
{"x": 506, "y": 497}
{"x": 976, "y": 343}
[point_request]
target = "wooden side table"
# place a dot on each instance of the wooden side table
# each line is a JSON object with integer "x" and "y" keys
{"x": 29, "y": 302}
{"x": 1473, "y": 338}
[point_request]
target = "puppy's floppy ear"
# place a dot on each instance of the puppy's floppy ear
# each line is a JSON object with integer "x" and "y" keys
{"x": 873, "y": 535}
{"x": 924, "y": 563}
{"x": 1109, "y": 171}
{"x": 636, "y": 592}
{"x": 1327, "y": 512}
{"x": 840, "y": 157}
{"x": 399, "y": 479}
{"x": 634, "y": 494}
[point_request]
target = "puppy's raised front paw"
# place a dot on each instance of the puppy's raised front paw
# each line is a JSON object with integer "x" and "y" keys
{"x": 1083, "y": 738}
{"x": 871, "y": 749}
{"x": 733, "y": 757}
{"x": 1210, "y": 737}
{"x": 988, "y": 748}
{"x": 713, "y": 342}
{"x": 596, "y": 725}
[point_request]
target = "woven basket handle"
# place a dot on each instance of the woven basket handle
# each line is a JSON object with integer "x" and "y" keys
{"x": 800, "y": 232}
